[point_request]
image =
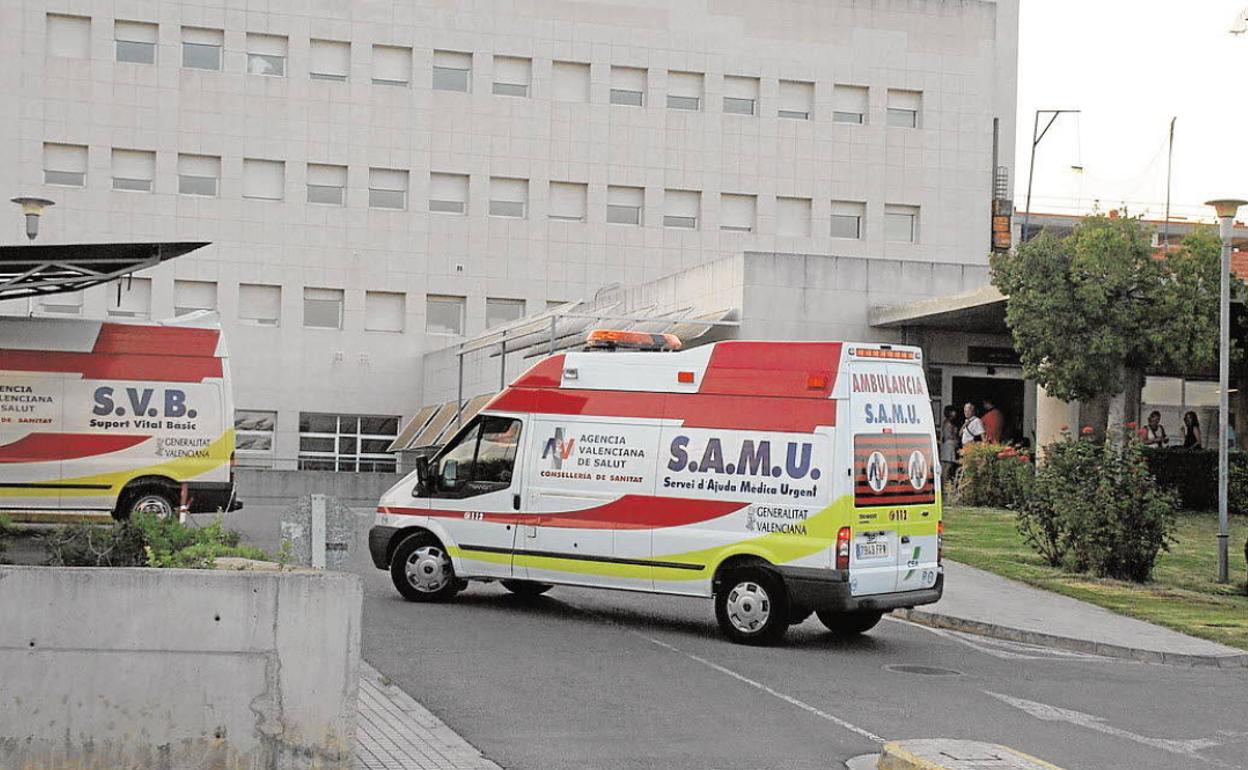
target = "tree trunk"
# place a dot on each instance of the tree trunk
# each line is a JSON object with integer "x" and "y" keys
{"x": 1094, "y": 414}
{"x": 1124, "y": 406}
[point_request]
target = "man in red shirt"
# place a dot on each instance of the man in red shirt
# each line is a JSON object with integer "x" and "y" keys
{"x": 993, "y": 422}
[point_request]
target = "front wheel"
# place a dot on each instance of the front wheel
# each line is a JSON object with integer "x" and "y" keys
{"x": 752, "y": 606}
{"x": 849, "y": 623}
{"x": 525, "y": 588}
{"x": 421, "y": 570}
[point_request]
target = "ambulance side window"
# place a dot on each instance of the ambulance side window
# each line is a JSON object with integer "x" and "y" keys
{"x": 482, "y": 460}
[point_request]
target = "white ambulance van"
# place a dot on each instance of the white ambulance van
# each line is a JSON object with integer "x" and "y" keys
{"x": 779, "y": 478}
{"x": 101, "y": 419}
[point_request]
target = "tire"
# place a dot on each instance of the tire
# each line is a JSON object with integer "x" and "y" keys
{"x": 849, "y": 623}
{"x": 752, "y": 606}
{"x": 421, "y": 570}
{"x": 155, "y": 500}
{"x": 525, "y": 588}
{"x": 799, "y": 615}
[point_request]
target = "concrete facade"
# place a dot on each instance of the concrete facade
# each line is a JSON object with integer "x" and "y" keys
{"x": 143, "y": 668}
{"x": 541, "y": 81}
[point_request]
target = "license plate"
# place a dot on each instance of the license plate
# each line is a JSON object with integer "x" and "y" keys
{"x": 873, "y": 550}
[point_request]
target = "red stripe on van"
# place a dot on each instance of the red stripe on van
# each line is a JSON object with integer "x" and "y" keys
{"x": 104, "y": 366}
{"x": 156, "y": 340}
{"x": 628, "y": 512}
{"x": 49, "y": 447}
{"x": 785, "y": 370}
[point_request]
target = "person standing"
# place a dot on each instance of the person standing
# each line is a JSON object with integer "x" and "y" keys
{"x": 1154, "y": 433}
{"x": 949, "y": 443}
{"x": 993, "y": 422}
{"x": 973, "y": 427}
{"x": 1191, "y": 431}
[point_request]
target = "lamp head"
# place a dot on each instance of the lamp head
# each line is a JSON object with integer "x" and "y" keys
{"x": 32, "y": 208}
{"x": 1226, "y": 207}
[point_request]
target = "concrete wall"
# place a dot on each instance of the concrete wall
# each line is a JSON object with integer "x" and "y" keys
{"x": 265, "y": 487}
{"x": 140, "y": 668}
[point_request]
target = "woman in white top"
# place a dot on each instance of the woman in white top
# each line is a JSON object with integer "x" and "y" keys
{"x": 973, "y": 428}
{"x": 949, "y": 442}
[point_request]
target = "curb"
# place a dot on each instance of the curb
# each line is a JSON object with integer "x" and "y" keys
{"x": 944, "y": 754}
{"x": 992, "y": 630}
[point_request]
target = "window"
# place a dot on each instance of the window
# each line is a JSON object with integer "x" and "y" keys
{"x": 65, "y": 164}
{"x": 903, "y": 108}
{"x": 508, "y": 197}
{"x": 253, "y": 437}
{"x": 797, "y": 99}
{"x": 198, "y": 174}
{"x": 512, "y": 75}
{"x": 392, "y": 65}
{"x": 264, "y": 179}
{"x": 793, "y": 217}
{"x": 327, "y": 184}
{"x": 189, "y": 296}
{"x": 329, "y": 60}
{"x": 684, "y": 90}
{"x": 322, "y": 308}
{"x": 133, "y": 170}
{"x": 901, "y": 224}
{"x": 384, "y": 311}
{"x": 346, "y": 442}
{"x": 680, "y": 208}
{"x": 849, "y": 104}
{"x": 387, "y": 188}
{"x": 740, "y": 95}
{"x": 628, "y": 86}
{"x": 847, "y": 218}
{"x": 64, "y": 303}
{"x": 201, "y": 48}
{"x": 445, "y": 315}
{"x": 624, "y": 205}
{"x": 130, "y": 298}
{"x": 69, "y": 36}
{"x": 452, "y": 71}
{"x": 266, "y": 55}
{"x": 448, "y": 193}
{"x": 501, "y": 311}
{"x": 135, "y": 41}
{"x": 736, "y": 212}
{"x": 567, "y": 201}
{"x": 260, "y": 304}
{"x": 569, "y": 81}
{"x": 480, "y": 459}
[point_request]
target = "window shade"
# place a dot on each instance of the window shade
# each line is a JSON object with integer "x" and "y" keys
{"x": 267, "y": 45}
{"x": 199, "y": 165}
{"x": 134, "y": 31}
{"x": 905, "y": 100}
{"x": 259, "y": 302}
{"x": 625, "y": 196}
{"x": 567, "y": 200}
{"x": 849, "y": 99}
{"x": 686, "y": 84}
{"x": 134, "y": 164}
{"x": 202, "y": 36}
{"x": 681, "y": 203}
{"x": 195, "y": 295}
{"x": 135, "y": 300}
{"x": 797, "y": 96}
{"x": 264, "y": 179}
{"x": 452, "y": 60}
{"x": 448, "y": 187}
{"x": 628, "y": 78}
{"x": 514, "y": 190}
{"x": 740, "y": 87}
{"x": 69, "y": 36}
{"x": 329, "y": 57}
{"x": 392, "y": 64}
{"x": 383, "y": 311}
{"x": 736, "y": 212}
{"x": 65, "y": 157}
{"x": 793, "y": 216}
{"x": 512, "y": 70}
{"x": 326, "y": 175}
{"x": 569, "y": 81}
{"x": 387, "y": 179}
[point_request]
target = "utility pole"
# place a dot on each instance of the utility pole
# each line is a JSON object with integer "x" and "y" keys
{"x": 1031, "y": 169}
{"x": 1165, "y": 228}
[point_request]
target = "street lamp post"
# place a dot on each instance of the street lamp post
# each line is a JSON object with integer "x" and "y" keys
{"x": 1226, "y": 209}
{"x": 32, "y": 208}
{"x": 1036, "y": 136}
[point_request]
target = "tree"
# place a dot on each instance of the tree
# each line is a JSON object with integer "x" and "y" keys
{"x": 1091, "y": 312}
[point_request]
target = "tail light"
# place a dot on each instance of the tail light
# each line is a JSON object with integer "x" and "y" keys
{"x": 940, "y": 541}
{"x": 842, "y": 548}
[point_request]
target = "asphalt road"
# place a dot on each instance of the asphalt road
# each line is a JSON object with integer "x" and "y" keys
{"x": 594, "y": 679}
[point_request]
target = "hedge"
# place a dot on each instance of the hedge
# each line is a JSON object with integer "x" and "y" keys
{"x": 1193, "y": 474}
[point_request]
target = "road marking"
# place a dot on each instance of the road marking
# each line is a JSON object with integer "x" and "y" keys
{"x": 804, "y": 706}
{"x": 1189, "y": 748}
{"x": 1004, "y": 649}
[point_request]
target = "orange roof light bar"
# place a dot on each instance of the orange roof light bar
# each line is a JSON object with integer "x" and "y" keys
{"x": 611, "y": 339}
{"x": 895, "y": 355}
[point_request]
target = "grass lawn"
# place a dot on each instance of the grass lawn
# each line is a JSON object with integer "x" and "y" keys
{"x": 1184, "y": 594}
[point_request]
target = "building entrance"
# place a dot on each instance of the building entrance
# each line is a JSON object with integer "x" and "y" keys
{"x": 1006, "y": 394}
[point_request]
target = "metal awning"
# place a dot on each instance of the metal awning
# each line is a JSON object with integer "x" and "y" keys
{"x": 39, "y": 268}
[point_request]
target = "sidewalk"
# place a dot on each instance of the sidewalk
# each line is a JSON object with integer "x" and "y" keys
{"x": 980, "y": 602}
{"x": 394, "y": 732}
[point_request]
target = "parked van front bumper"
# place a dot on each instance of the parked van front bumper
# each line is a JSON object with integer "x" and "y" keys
{"x": 828, "y": 589}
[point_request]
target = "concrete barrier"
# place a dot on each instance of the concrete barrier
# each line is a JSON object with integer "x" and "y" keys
{"x": 265, "y": 487}
{"x": 152, "y": 669}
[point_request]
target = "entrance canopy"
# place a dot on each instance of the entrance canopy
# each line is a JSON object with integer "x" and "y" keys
{"x": 39, "y": 269}
{"x": 981, "y": 311}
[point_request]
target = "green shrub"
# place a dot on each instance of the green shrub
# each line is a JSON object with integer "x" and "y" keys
{"x": 144, "y": 541}
{"x": 1193, "y": 474}
{"x": 994, "y": 475}
{"x": 1096, "y": 508}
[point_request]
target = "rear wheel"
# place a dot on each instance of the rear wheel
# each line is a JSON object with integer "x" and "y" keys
{"x": 526, "y": 588}
{"x": 849, "y": 623}
{"x": 752, "y": 606}
{"x": 421, "y": 570}
{"x": 152, "y": 500}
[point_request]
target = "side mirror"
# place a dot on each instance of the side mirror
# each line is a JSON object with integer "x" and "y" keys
{"x": 422, "y": 477}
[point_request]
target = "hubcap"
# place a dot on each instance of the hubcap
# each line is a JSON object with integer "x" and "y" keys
{"x": 153, "y": 504}
{"x": 428, "y": 569}
{"x": 749, "y": 607}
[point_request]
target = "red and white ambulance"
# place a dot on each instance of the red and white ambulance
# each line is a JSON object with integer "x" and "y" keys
{"x": 101, "y": 419}
{"x": 779, "y": 478}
